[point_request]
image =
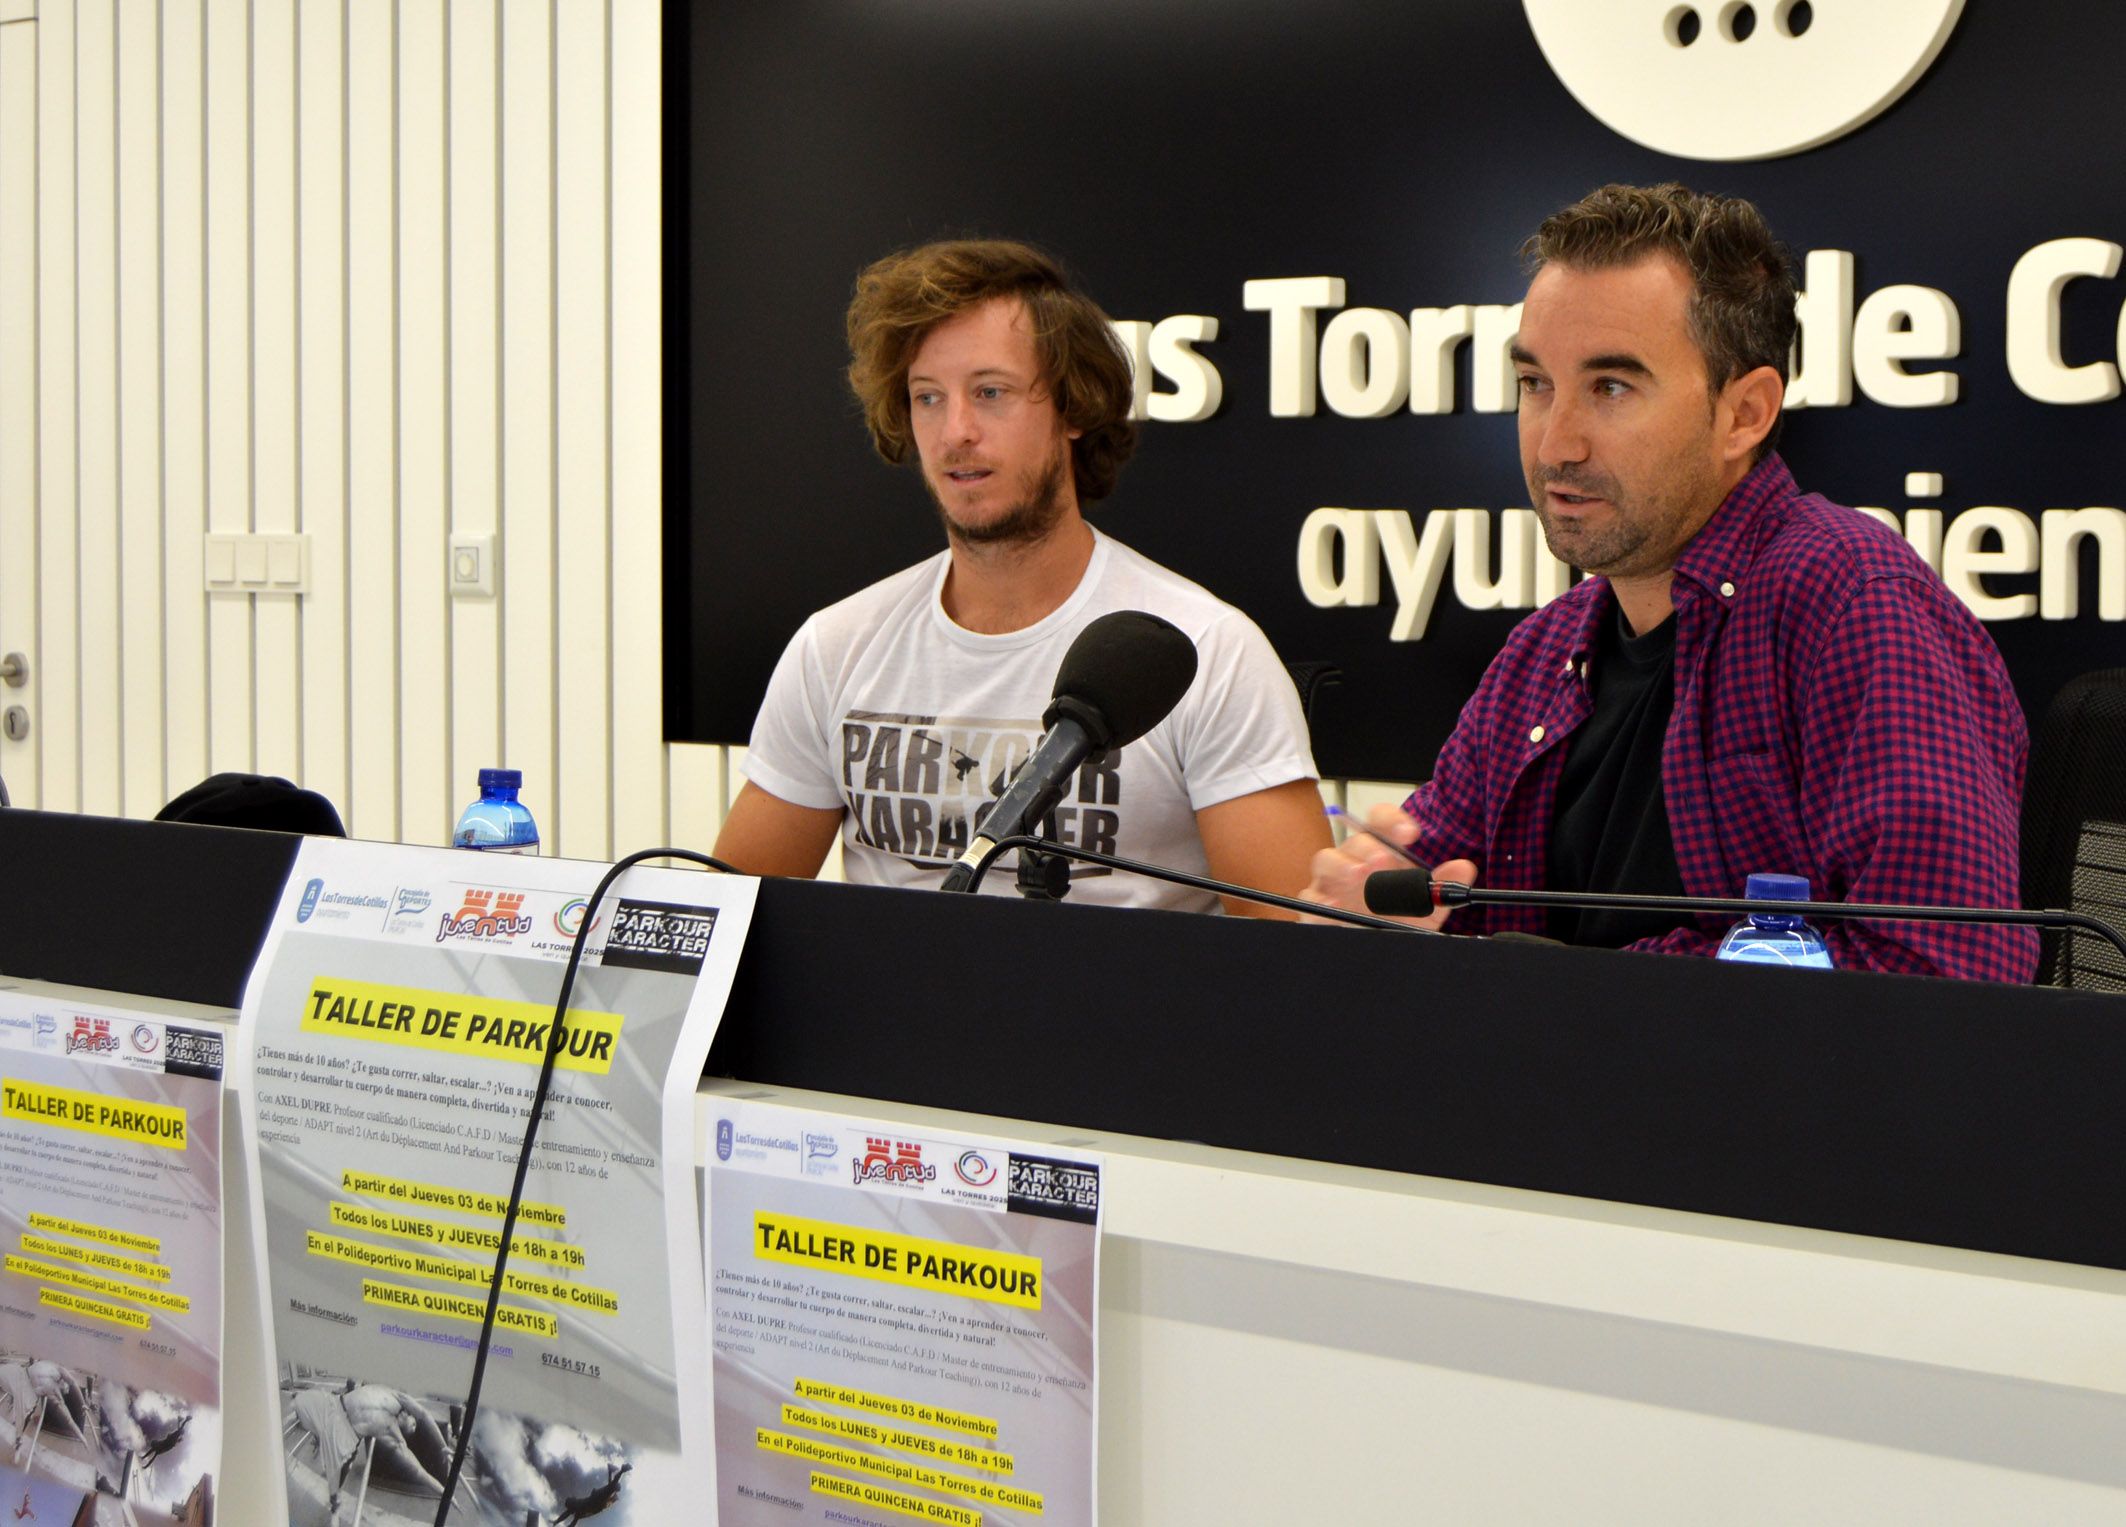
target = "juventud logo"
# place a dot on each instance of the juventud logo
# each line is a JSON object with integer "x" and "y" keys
{"x": 1726, "y": 79}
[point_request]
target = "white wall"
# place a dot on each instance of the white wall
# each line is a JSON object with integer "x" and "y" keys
{"x": 370, "y": 271}
{"x": 374, "y": 271}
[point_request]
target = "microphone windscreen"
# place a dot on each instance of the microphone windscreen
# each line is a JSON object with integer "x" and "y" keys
{"x": 1129, "y": 669}
{"x": 1399, "y": 893}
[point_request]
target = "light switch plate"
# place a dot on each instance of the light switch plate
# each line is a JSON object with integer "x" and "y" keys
{"x": 258, "y": 564}
{"x": 470, "y": 573}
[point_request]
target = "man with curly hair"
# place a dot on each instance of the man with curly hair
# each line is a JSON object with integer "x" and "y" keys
{"x": 897, "y": 716}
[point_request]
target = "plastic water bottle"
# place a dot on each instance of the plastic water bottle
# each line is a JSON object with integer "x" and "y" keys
{"x": 1766, "y": 938}
{"x": 498, "y": 821}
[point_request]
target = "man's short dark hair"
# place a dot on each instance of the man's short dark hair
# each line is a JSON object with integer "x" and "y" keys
{"x": 901, "y": 298}
{"x": 1742, "y": 279}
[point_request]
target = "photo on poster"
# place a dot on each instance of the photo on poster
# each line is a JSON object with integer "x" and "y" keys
{"x": 110, "y": 1263}
{"x": 397, "y": 1022}
{"x": 109, "y": 1451}
{"x": 372, "y": 1453}
{"x": 904, "y": 1323}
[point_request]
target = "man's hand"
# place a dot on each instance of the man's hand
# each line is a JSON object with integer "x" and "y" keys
{"x": 1340, "y": 873}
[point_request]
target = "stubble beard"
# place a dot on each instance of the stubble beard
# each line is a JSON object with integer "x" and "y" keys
{"x": 1596, "y": 552}
{"x": 1645, "y": 529}
{"x": 1033, "y": 517}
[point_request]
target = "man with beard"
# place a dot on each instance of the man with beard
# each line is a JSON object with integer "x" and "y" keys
{"x": 896, "y": 716}
{"x": 1754, "y": 679}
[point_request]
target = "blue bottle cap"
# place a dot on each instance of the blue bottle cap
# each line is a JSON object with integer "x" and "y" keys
{"x": 1777, "y": 888}
{"x": 513, "y": 779}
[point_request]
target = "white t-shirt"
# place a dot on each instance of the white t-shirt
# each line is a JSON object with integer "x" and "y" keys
{"x": 883, "y": 707}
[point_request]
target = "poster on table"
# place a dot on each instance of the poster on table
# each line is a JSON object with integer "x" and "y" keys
{"x": 904, "y": 1321}
{"x": 396, "y": 1022}
{"x": 111, "y": 1298}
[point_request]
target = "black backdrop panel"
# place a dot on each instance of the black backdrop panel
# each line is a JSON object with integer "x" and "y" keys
{"x": 1172, "y": 150}
{"x": 163, "y": 909}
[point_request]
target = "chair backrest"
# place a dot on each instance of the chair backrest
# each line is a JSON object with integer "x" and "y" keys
{"x": 263, "y": 801}
{"x": 2074, "y": 826}
{"x": 1310, "y": 679}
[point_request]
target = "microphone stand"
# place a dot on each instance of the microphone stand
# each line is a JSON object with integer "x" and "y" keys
{"x": 1042, "y": 876}
{"x": 1026, "y": 842}
{"x": 1452, "y": 893}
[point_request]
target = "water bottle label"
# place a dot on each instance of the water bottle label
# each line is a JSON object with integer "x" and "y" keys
{"x": 1756, "y": 954}
{"x": 1783, "y": 952}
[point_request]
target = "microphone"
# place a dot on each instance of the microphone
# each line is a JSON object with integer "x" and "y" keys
{"x": 1119, "y": 679}
{"x": 1406, "y": 893}
{"x": 1414, "y": 893}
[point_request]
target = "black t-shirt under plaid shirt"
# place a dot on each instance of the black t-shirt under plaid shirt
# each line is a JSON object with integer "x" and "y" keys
{"x": 1610, "y": 830}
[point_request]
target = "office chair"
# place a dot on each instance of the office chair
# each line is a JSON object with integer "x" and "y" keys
{"x": 255, "y": 800}
{"x": 1310, "y": 679}
{"x": 2074, "y": 827}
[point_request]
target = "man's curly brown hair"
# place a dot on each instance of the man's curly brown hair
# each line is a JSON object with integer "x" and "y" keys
{"x": 1741, "y": 311}
{"x": 901, "y": 298}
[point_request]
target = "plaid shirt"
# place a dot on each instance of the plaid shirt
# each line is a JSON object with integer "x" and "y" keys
{"x": 1838, "y": 714}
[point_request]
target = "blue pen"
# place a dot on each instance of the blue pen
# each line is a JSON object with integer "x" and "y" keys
{"x": 1353, "y": 825}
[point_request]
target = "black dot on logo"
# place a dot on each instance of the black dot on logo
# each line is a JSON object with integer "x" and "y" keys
{"x": 1740, "y": 21}
{"x": 1794, "y": 17}
{"x": 1682, "y": 26}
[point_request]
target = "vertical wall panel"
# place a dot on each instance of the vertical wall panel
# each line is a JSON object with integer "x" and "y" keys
{"x": 228, "y": 179}
{"x": 58, "y": 717}
{"x": 276, "y": 694}
{"x": 372, "y": 422}
{"x": 695, "y": 773}
{"x": 18, "y": 394}
{"x": 428, "y": 796}
{"x": 637, "y": 476}
{"x": 475, "y": 425}
{"x": 527, "y": 374}
{"x": 96, "y": 396}
{"x": 526, "y": 590}
{"x": 734, "y": 779}
{"x": 140, "y": 523}
{"x": 581, "y": 361}
{"x": 583, "y": 628}
{"x": 184, "y": 375}
{"x": 321, "y": 297}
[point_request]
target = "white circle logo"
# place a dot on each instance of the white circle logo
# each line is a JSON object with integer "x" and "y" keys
{"x": 1732, "y": 79}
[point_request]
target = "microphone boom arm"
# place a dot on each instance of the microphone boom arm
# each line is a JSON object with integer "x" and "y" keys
{"x": 1178, "y": 877}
